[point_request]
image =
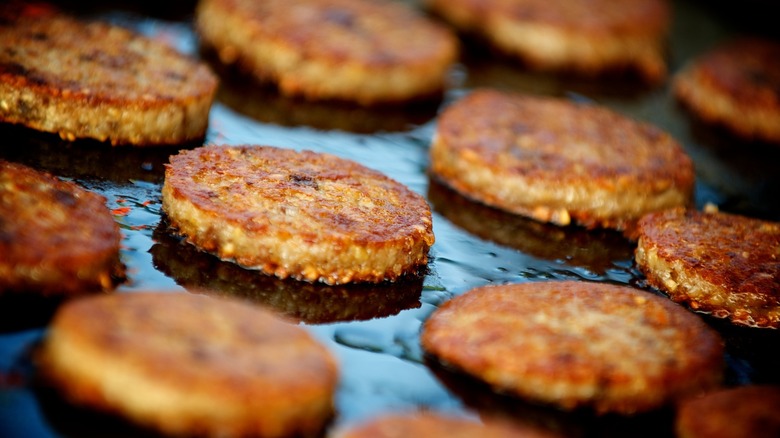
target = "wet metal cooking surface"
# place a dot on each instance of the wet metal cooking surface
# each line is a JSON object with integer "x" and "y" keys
{"x": 373, "y": 330}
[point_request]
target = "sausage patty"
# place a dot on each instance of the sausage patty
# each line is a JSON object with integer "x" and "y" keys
{"x": 56, "y": 238}
{"x": 366, "y": 51}
{"x": 577, "y": 344}
{"x": 96, "y": 80}
{"x": 558, "y": 161}
{"x": 311, "y": 216}
{"x": 736, "y": 85}
{"x": 719, "y": 263}
{"x": 584, "y": 37}
{"x": 731, "y": 413}
{"x": 190, "y": 365}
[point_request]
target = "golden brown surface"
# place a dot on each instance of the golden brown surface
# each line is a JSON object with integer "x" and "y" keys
{"x": 95, "y": 80}
{"x": 56, "y": 238}
{"x": 366, "y": 51}
{"x": 748, "y": 411}
{"x": 190, "y": 365}
{"x": 577, "y": 344}
{"x": 306, "y": 215}
{"x": 736, "y": 85}
{"x": 558, "y": 161}
{"x": 723, "y": 264}
{"x": 435, "y": 425}
{"x": 586, "y": 37}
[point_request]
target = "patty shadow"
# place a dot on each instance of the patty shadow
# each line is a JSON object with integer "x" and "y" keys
{"x": 24, "y": 311}
{"x": 578, "y": 423}
{"x": 595, "y": 250}
{"x": 86, "y": 158}
{"x": 263, "y": 102}
{"x": 311, "y": 303}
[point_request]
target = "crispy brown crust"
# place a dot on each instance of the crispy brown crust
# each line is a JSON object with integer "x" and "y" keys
{"x": 95, "y": 80}
{"x": 305, "y": 215}
{"x": 573, "y": 344}
{"x": 56, "y": 238}
{"x": 718, "y": 263}
{"x": 747, "y": 411}
{"x": 736, "y": 85}
{"x": 435, "y": 425}
{"x": 558, "y": 161}
{"x": 587, "y": 37}
{"x": 190, "y": 365}
{"x": 355, "y": 50}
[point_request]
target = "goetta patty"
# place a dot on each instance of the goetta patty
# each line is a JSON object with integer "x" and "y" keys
{"x": 736, "y": 85}
{"x": 585, "y": 37}
{"x": 306, "y": 215}
{"x": 577, "y": 344}
{"x": 719, "y": 263}
{"x": 95, "y": 80}
{"x": 367, "y": 51}
{"x": 435, "y": 425}
{"x": 56, "y": 238}
{"x": 747, "y": 411}
{"x": 190, "y": 365}
{"x": 558, "y": 161}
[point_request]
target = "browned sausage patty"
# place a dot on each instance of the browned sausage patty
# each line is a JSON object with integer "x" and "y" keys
{"x": 95, "y": 80}
{"x": 368, "y": 51}
{"x": 558, "y": 161}
{"x": 190, "y": 365}
{"x": 747, "y": 411}
{"x": 56, "y": 238}
{"x": 587, "y": 37}
{"x": 577, "y": 344}
{"x": 435, "y": 425}
{"x": 723, "y": 264}
{"x": 306, "y": 215}
{"x": 736, "y": 85}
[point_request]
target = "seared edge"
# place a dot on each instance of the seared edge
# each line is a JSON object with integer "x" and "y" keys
{"x": 718, "y": 263}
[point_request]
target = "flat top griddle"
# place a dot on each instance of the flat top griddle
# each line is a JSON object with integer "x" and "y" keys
{"x": 373, "y": 329}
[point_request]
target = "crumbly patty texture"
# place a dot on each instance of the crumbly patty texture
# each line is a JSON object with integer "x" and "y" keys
{"x": 56, "y": 238}
{"x": 736, "y": 85}
{"x": 747, "y": 411}
{"x": 190, "y": 365}
{"x": 435, "y": 425}
{"x": 577, "y": 344}
{"x": 95, "y": 80}
{"x": 306, "y": 215}
{"x": 584, "y": 37}
{"x": 367, "y": 51}
{"x": 558, "y": 161}
{"x": 718, "y": 263}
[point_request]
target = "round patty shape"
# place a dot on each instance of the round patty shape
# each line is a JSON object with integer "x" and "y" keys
{"x": 747, "y": 411}
{"x": 428, "y": 424}
{"x": 558, "y": 161}
{"x": 586, "y": 37}
{"x": 99, "y": 81}
{"x": 577, "y": 344}
{"x": 190, "y": 365}
{"x": 367, "y": 51}
{"x": 306, "y": 215}
{"x": 718, "y": 263}
{"x": 736, "y": 85}
{"x": 56, "y": 238}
